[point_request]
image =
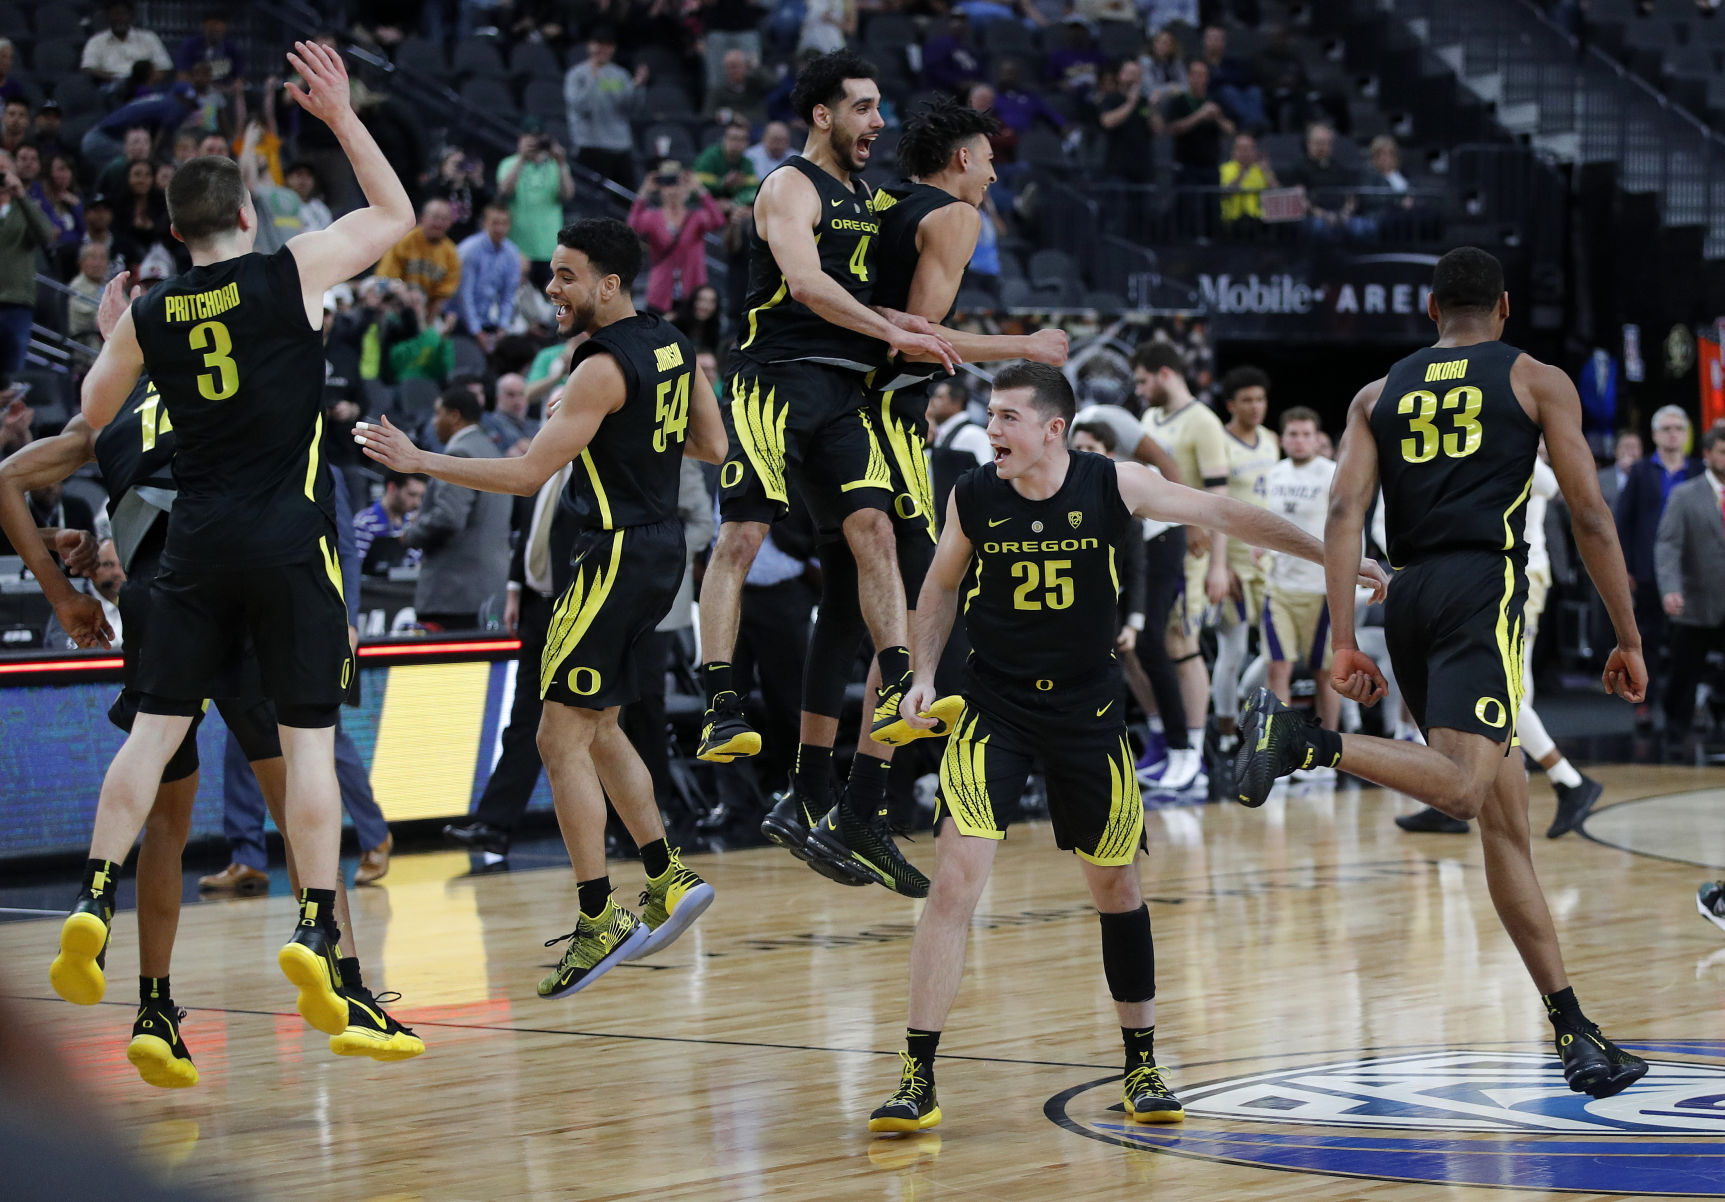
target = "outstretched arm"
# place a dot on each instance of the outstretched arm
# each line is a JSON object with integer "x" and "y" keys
{"x": 596, "y": 388}
{"x": 936, "y": 607}
{"x": 1352, "y": 490}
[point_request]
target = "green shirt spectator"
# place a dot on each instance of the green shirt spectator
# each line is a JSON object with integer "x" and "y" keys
{"x": 724, "y": 168}
{"x": 535, "y": 183}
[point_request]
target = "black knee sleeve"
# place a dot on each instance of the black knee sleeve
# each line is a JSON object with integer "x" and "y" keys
{"x": 838, "y": 633}
{"x": 308, "y": 717}
{"x": 1129, "y": 955}
{"x": 184, "y": 761}
{"x": 254, "y": 728}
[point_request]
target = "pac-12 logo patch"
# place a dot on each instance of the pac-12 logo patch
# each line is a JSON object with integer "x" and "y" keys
{"x": 1451, "y": 1116}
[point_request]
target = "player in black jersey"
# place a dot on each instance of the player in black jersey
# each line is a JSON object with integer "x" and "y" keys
{"x": 796, "y": 391}
{"x": 1452, "y": 431}
{"x": 928, "y": 229}
{"x": 134, "y": 454}
{"x": 1031, "y": 540}
{"x": 235, "y": 347}
{"x": 634, "y": 406}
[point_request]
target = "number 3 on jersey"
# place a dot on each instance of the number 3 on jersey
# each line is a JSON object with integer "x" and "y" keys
{"x": 673, "y": 411}
{"x": 223, "y": 378}
{"x": 1421, "y": 408}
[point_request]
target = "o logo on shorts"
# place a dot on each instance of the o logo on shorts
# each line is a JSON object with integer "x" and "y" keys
{"x": 906, "y": 507}
{"x": 1491, "y": 711}
{"x": 346, "y": 671}
{"x": 729, "y": 478}
{"x": 1046, "y": 686}
{"x": 576, "y": 680}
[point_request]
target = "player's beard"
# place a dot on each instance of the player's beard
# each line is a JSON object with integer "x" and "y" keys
{"x": 845, "y": 151}
{"x": 580, "y": 314}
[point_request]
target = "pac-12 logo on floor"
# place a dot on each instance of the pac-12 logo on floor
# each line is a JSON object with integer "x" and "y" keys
{"x": 1455, "y": 1116}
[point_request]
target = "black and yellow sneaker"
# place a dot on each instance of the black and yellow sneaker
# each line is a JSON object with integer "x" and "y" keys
{"x": 912, "y": 1106}
{"x": 669, "y": 904}
{"x": 596, "y": 946}
{"x": 788, "y": 824}
{"x": 1148, "y": 1098}
{"x": 726, "y": 734}
{"x": 77, "y": 973}
{"x": 157, "y": 1051}
{"x": 843, "y": 837}
{"x": 372, "y": 1031}
{"x": 1592, "y": 1064}
{"x": 309, "y": 962}
{"x": 1272, "y": 744}
{"x": 888, "y": 725}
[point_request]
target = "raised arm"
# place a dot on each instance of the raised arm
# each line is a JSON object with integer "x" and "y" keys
{"x": 1559, "y": 408}
{"x": 936, "y": 607}
{"x": 44, "y": 462}
{"x": 786, "y": 211}
{"x": 1352, "y": 490}
{"x": 116, "y": 370}
{"x": 596, "y": 388}
{"x": 357, "y": 240}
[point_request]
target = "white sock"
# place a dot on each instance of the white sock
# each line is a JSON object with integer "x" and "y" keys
{"x": 1155, "y": 721}
{"x": 1195, "y": 737}
{"x": 1563, "y": 773}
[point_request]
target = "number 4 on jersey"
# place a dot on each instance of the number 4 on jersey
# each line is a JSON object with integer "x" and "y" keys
{"x": 673, "y": 411}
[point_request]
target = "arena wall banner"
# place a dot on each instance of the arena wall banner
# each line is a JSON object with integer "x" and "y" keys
{"x": 1306, "y": 294}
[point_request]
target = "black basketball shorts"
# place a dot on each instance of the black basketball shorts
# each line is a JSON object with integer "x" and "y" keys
{"x": 1453, "y": 625}
{"x": 1076, "y": 732}
{"x": 622, "y": 585}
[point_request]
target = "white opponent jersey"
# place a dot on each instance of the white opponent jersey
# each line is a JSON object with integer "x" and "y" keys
{"x": 1544, "y": 488}
{"x": 1301, "y": 495}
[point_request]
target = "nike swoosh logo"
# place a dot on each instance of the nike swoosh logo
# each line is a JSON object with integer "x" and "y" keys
{"x": 1105, "y": 709}
{"x": 837, "y": 203}
{"x": 993, "y": 522}
{"x": 376, "y": 1016}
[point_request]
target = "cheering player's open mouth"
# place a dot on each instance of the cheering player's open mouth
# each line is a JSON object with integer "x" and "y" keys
{"x": 862, "y": 146}
{"x": 1001, "y": 451}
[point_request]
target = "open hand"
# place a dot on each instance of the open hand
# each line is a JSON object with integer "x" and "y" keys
{"x": 1626, "y": 675}
{"x": 1356, "y": 677}
{"x": 909, "y": 343}
{"x": 324, "y": 93}
{"x": 117, "y": 297}
{"x": 388, "y": 445}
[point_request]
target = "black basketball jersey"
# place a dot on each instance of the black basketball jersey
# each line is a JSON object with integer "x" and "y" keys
{"x": 240, "y": 372}
{"x": 1039, "y": 600}
{"x": 1455, "y": 453}
{"x": 137, "y": 447}
{"x": 901, "y": 208}
{"x": 628, "y": 474}
{"x": 778, "y": 329}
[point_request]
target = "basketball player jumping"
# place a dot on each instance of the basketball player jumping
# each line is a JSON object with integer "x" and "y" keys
{"x": 1453, "y": 431}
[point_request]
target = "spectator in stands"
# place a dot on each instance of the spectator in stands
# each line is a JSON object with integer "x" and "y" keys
{"x": 507, "y": 425}
{"x": 49, "y": 136}
{"x": 15, "y": 421}
{"x": 110, "y": 55}
{"x": 211, "y": 114}
{"x": 1690, "y": 565}
{"x": 697, "y": 316}
{"x": 280, "y": 210}
{"x": 1129, "y": 127}
{"x": 14, "y": 124}
{"x": 416, "y": 344}
{"x": 314, "y": 214}
{"x": 772, "y": 150}
{"x": 827, "y": 24}
{"x": 490, "y": 272}
{"x": 1331, "y": 204}
{"x": 99, "y": 231}
{"x": 1287, "y": 101}
{"x": 729, "y": 25}
{"x": 10, "y": 88}
{"x": 1639, "y": 508}
{"x": 1612, "y": 477}
{"x": 742, "y": 93}
{"x": 460, "y": 180}
{"x": 1073, "y": 68}
{"x": 1245, "y": 176}
{"x": 427, "y": 258}
{"x": 378, "y": 526}
{"x": 23, "y": 231}
{"x": 464, "y": 534}
{"x": 1197, "y": 123}
{"x": 1017, "y": 106}
{"x": 779, "y": 106}
{"x": 951, "y": 59}
{"x": 674, "y": 214}
{"x": 157, "y": 115}
{"x": 215, "y": 47}
{"x": 602, "y": 98}
{"x": 1163, "y": 70}
{"x": 137, "y": 144}
{"x": 1231, "y": 81}
{"x": 535, "y": 183}
{"x": 27, "y": 162}
{"x": 724, "y": 169}
{"x": 87, "y": 286}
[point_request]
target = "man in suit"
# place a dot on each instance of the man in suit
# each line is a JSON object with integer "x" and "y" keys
{"x": 1690, "y": 557}
{"x": 463, "y": 534}
{"x": 1639, "y": 506}
{"x": 1613, "y": 475}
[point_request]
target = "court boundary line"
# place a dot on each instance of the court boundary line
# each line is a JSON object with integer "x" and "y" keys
{"x": 1647, "y": 855}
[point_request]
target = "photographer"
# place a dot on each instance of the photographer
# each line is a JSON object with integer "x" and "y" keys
{"x": 674, "y": 213}
{"x": 535, "y": 183}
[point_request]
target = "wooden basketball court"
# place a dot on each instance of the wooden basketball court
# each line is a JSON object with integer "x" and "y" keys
{"x": 1338, "y": 1007}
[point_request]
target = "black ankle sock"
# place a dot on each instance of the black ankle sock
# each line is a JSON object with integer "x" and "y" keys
{"x": 595, "y": 895}
{"x": 715, "y": 679}
{"x": 894, "y": 664}
{"x": 922, "y": 1045}
{"x": 1561, "y": 1007}
{"x": 814, "y": 763}
{"x": 350, "y": 974}
{"x": 317, "y": 908}
{"x": 1140, "y": 1045}
{"x": 656, "y": 857}
{"x": 101, "y": 881}
{"x": 1326, "y": 746}
{"x": 867, "y": 787}
{"x": 154, "y": 989}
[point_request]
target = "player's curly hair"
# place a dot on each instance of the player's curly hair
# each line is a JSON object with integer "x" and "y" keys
{"x": 822, "y": 81}
{"x": 936, "y": 130}
{"x": 612, "y": 247}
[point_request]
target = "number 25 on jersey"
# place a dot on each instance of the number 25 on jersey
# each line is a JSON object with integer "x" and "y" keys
{"x": 1460, "y": 405}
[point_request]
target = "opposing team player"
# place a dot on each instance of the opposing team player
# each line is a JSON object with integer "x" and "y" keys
{"x": 235, "y": 348}
{"x": 1031, "y": 540}
{"x": 634, "y": 406}
{"x": 796, "y": 406}
{"x": 928, "y": 228}
{"x": 1453, "y": 430}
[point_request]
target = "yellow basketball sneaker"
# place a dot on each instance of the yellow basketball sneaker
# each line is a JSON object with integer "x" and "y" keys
{"x": 912, "y": 1106}
{"x": 596, "y": 946}
{"x": 77, "y": 972}
{"x": 670, "y": 904}
{"x": 889, "y": 726}
{"x": 371, "y": 1031}
{"x": 157, "y": 1051}
{"x": 1148, "y": 1098}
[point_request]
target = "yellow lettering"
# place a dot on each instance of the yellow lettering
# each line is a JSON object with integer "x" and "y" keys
{"x": 201, "y": 306}
{"x": 668, "y": 357}
{"x": 1455, "y": 369}
{"x": 854, "y": 227}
